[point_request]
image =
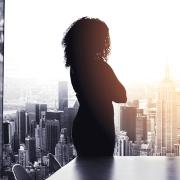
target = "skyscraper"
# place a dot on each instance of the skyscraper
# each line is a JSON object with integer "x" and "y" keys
{"x": 58, "y": 115}
{"x": 63, "y": 95}
{"x": 31, "y": 148}
{"x": 166, "y": 125}
{"x": 32, "y": 128}
{"x": 178, "y": 111}
{"x": 62, "y": 148}
{"x": 52, "y": 135}
{"x": 6, "y": 137}
{"x": 28, "y": 124}
{"x": 11, "y": 130}
{"x": 55, "y": 115}
{"x": 151, "y": 116}
{"x": 128, "y": 121}
{"x": 42, "y": 131}
{"x": 23, "y": 156}
{"x": 69, "y": 116}
{"x": 30, "y": 108}
{"x": 34, "y": 111}
{"x": 122, "y": 147}
{"x": 21, "y": 125}
{"x": 37, "y": 136}
{"x": 141, "y": 126}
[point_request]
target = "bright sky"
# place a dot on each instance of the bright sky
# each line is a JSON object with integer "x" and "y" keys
{"x": 145, "y": 35}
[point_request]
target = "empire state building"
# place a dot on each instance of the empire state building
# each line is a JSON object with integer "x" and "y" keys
{"x": 166, "y": 125}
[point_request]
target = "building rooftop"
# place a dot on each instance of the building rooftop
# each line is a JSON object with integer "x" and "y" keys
{"x": 121, "y": 168}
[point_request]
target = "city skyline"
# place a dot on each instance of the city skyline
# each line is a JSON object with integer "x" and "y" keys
{"x": 36, "y": 130}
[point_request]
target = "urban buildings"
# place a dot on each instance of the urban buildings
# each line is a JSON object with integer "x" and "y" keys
{"x": 21, "y": 126}
{"x": 141, "y": 126}
{"x": 34, "y": 111}
{"x": 23, "y": 156}
{"x": 128, "y": 121}
{"x": 63, "y": 149}
{"x": 33, "y": 132}
{"x": 52, "y": 135}
{"x": 122, "y": 147}
{"x": 166, "y": 124}
{"x": 144, "y": 127}
{"x": 63, "y": 95}
{"x": 30, "y": 145}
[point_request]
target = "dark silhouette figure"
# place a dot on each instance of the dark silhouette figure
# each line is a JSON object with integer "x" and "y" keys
{"x": 87, "y": 46}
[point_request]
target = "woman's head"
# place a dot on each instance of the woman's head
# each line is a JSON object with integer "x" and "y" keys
{"x": 86, "y": 39}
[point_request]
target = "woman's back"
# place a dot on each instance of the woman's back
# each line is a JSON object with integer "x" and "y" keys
{"x": 87, "y": 45}
{"x": 93, "y": 84}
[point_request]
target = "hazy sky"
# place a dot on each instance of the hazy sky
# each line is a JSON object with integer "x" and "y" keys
{"x": 145, "y": 35}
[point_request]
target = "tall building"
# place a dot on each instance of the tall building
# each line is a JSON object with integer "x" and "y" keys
{"x": 42, "y": 132}
{"x": 31, "y": 110}
{"x": 33, "y": 125}
{"x": 34, "y": 111}
{"x": 69, "y": 116}
{"x": 58, "y": 115}
{"x": 151, "y": 118}
{"x": 11, "y": 130}
{"x": 55, "y": 115}
{"x": 28, "y": 124}
{"x": 128, "y": 121}
{"x": 62, "y": 148}
{"x": 21, "y": 125}
{"x": 141, "y": 126}
{"x": 178, "y": 111}
{"x": 52, "y": 132}
{"x": 23, "y": 156}
{"x": 166, "y": 125}
{"x": 31, "y": 148}
{"x": 6, "y": 131}
{"x": 37, "y": 136}
{"x": 122, "y": 147}
{"x": 63, "y": 95}
{"x": 15, "y": 142}
{"x": 177, "y": 149}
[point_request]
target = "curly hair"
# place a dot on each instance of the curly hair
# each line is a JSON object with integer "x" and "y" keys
{"x": 86, "y": 39}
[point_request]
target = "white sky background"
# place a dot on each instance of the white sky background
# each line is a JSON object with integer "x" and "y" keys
{"x": 145, "y": 35}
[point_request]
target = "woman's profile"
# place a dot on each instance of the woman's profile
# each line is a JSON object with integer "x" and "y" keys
{"x": 86, "y": 47}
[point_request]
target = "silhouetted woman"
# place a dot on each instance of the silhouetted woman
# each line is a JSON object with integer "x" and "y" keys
{"x": 87, "y": 45}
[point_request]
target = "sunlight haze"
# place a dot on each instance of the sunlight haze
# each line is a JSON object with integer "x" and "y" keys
{"x": 145, "y": 36}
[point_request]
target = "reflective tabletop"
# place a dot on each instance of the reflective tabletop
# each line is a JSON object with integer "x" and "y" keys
{"x": 120, "y": 168}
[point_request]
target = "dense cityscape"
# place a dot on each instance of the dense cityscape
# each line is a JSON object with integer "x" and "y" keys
{"x": 144, "y": 127}
{"x": 32, "y": 133}
{"x": 150, "y": 127}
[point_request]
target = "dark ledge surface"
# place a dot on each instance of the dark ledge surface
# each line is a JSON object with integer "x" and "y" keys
{"x": 120, "y": 168}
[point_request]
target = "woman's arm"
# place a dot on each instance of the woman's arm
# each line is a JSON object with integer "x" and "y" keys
{"x": 117, "y": 90}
